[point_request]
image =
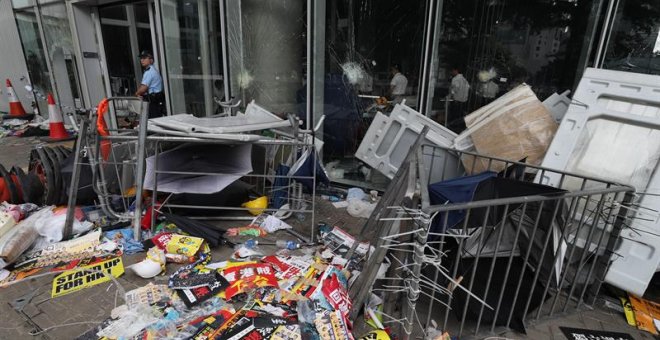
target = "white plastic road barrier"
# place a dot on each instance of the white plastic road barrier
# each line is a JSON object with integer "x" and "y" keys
{"x": 612, "y": 131}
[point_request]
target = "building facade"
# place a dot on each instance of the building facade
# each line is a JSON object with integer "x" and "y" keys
{"x": 268, "y": 51}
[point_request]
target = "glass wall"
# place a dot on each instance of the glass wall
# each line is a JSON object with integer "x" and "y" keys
{"x": 61, "y": 54}
{"x": 266, "y": 50}
{"x": 48, "y": 21}
{"x": 126, "y": 31}
{"x": 364, "y": 39}
{"x": 193, "y": 54}
{"x": 35, "y": 56}
{"x": 497, "y": 45}
{"x": 634, "y": 42}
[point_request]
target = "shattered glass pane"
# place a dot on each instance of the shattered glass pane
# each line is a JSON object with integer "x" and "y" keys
{"x": 266, "y": 42}
{"x": 363, "y": 40}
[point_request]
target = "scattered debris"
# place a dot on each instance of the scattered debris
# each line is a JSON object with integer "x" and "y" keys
{"x": 647, "y": 314}
{"x": 580, "y": 333}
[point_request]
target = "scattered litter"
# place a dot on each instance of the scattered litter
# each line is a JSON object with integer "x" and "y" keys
{"x": 87, "y": 276}
{"x": 124, "y": 237}
{"x": 340, "y": 204}
{"x": 257, "y": 205}
{"x": 246, "y": 231}
{"x": 646, "y": 314}
{"x": 360, "y": 208}
{"x": 151, "y": 266}
{"x": 580, "y": 334}
{"x": 146, "y": 295}
{"x": 270, "y": 223}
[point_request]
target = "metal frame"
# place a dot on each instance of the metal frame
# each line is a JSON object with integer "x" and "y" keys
{"x": 428, "y": 278}
{"x": 103, "y": 170}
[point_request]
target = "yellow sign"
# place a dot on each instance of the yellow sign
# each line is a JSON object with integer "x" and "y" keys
{"x": 87, "y": 276}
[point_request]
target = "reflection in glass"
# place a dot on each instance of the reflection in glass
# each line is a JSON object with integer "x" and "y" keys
{"x": 124, "y": 37}
{"x": 266, "y": 41}
{"x": 60, "y": 51}
{"x": 18, "y": 4}
{"x": 634, "y": 43}
{"x": 35, "y": 56}
{"x": 364, "y": 39}
{"x": 116, "y": 40}
{"x": 113, "y": 12}
{"x": 506, "y": 43}
{"x": 191, "y": 30}
{"x": 141, "y": 13}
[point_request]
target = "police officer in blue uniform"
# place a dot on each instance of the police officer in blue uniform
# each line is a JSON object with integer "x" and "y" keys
{"x": 151, "y": 86}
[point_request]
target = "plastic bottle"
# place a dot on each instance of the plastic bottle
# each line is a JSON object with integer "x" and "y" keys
{"x": 285, "y": 244}
{"x": 251, "y": 244}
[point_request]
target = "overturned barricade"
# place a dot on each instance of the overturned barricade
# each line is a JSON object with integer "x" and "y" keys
{"x": 496, "y": 249}
{"x": 224, "y": 164}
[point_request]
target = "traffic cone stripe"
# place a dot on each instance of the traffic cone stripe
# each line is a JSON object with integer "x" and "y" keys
{"x": 54, "y": 115}
{"x": 15, "y": 106}
{"x": 57, "y": 130}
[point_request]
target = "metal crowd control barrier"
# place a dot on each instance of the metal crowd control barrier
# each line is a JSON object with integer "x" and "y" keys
{"x": 285, "y": 192}
{"x": 508, "y": 261}
{"x": 117, "y": 158}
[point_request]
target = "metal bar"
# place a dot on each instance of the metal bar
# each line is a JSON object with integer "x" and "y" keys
{"x": 570, "y": 255}
{"x": 435, "y": 278}
{"x": 585, "y": 251}
{"x": 474, "y": 267}
{"x": 476, "y": 155}
{"x": 508, "y": 267}
{"x": 543, "y": 251}
{"x": 172, "y": 172}
{"x": 520, "y": 200}
{"x": 154, "y": 192}
{"x": 617, "y": 226}
{"x": 492, "y": 267}
{"x": 526, "y": 259}
{"x": 456, "y": 264}
{"x": 565, "y": 230}
{"x": 595, "y": 260}
{"x": 139, "y": 176}
{"x": 75, "y": 180}
{"x": 208, "y": 207}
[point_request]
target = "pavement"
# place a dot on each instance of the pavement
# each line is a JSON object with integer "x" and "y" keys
{"x": 27, "y": 310}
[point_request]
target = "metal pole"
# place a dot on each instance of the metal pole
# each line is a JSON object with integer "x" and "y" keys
{"x": 603, "y": 34}
{"x": 139, "y": 176}
{"x": 75, "y": 180}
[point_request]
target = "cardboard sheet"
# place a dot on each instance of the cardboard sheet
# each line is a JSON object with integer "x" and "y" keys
{"x": 513, "y": 127}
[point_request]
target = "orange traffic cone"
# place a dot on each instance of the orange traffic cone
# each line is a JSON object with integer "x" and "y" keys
{"x": 57, "y": 130}
{"x": 16, "y": 109}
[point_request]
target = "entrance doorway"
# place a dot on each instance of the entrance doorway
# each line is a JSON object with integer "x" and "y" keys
{"x": 126, "y": 30}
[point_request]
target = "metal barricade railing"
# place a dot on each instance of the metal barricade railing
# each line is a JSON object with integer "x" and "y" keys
{"x": 523, "y": 254}
{"x": 117, "y": 159}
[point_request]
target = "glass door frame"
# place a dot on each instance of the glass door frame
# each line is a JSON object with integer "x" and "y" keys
{"x": 49, "y": 66}
{"x": 133, "y": 25}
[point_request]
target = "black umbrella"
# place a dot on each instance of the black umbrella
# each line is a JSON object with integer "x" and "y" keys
{"x": 212, "y": 234}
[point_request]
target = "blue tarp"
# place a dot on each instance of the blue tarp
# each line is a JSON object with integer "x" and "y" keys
{"x": 457, "y": 190}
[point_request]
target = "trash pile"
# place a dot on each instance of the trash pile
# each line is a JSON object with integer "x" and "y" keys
{"x": 298, "y": 291}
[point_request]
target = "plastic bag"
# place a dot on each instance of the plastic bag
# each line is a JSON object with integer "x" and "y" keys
{"x": 360, "y": 208}
{"x": 51, "y": 226}
{"x": 20, "y": 238}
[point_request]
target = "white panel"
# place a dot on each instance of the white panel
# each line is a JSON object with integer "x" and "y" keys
{"x": 388, "y": 141}
{"x": 612, "y": 131}
{"x": 558, "y": 104}
{"x": 13, "y": 62}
